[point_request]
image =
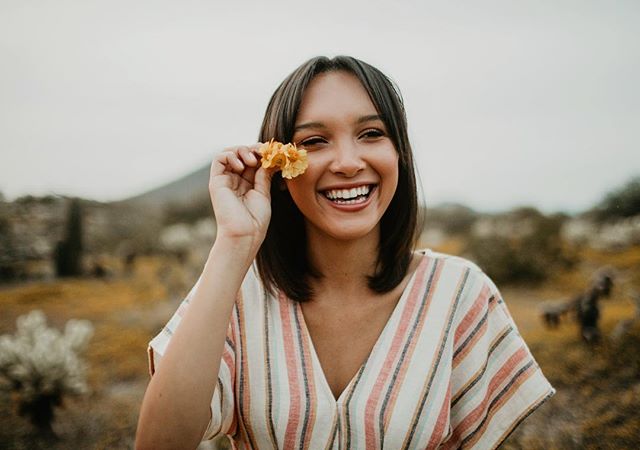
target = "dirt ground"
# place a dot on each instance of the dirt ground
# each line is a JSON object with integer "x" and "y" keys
{"x": 597, "y": 404}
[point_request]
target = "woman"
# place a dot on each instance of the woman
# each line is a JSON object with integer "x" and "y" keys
{"x": 340, "y": 335}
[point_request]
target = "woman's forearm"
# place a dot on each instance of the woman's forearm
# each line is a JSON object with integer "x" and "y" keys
{"x": 175, "y": 409}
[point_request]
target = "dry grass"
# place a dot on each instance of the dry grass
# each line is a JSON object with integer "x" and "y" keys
{"x": 124, "y": 311}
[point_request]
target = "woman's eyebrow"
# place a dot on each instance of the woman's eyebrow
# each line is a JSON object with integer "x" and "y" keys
{"x": 362, "y": 119}
{"x": 309, "y": 125}
{"x": 369, "y": 118}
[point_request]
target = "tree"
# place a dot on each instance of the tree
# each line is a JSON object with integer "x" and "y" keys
{"x": 68, "y": 252}
{"x": 620, "y": 203}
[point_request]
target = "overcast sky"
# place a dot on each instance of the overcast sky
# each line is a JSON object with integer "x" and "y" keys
{"x": 509, "y": 103}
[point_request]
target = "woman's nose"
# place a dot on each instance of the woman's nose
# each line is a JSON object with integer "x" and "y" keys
{"x": 347, "y": 160}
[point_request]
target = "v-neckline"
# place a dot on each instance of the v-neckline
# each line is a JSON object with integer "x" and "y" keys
{"x": 316, "y": 360}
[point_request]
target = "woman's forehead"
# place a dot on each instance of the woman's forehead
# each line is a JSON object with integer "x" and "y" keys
{"x": 336, "y": 95}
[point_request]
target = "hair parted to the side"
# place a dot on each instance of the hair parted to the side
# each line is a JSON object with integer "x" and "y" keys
{"x": 282, "y": 260}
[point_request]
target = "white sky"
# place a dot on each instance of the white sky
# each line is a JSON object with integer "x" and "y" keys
{"x": 530, "y": 102}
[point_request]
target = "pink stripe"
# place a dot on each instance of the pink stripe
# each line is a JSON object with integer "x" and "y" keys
{"x": 398, "y": 338}
{"x": 291, "y": 434}
{"x": 469, "y": 346}
{"x": 417, "y": 288}
{"x": 479, "y": 411}
{"x": 472, "y": 315}
{"x": 457, "y": 359}
{"x": 227, "y": 358}
{"x": 440, "y": 428}
{"x": 246, "y": 398}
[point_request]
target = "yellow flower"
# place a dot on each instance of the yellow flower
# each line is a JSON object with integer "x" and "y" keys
{"x": 287, "y": 157}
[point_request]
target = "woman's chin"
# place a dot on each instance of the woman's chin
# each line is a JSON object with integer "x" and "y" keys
{"x": 348, "y": 232}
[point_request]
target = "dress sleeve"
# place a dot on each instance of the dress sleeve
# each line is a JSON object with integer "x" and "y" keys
{"x": 222, "y": 420}
{"x": 496, "y": 383}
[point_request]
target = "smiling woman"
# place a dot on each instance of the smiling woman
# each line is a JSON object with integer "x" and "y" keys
{"x": 341, "y": 110}
{"x": 341, "y": 335}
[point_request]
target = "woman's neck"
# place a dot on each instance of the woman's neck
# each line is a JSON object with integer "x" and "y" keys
{"x": 344, "y": 265}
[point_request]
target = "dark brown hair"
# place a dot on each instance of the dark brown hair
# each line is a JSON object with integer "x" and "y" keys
{"x": 282, "y": 259}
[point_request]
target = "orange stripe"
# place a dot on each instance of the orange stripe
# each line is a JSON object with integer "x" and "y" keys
{"x": 479, "y": 411}
{"x": 479, "y": 334}
{"x": 507, "y": 396}
{"x": 412, "y": 345}
{"x": 473, "y": 377}
{"x": 306, "y": 352}
{"x": 401, "y": 332}
{"x": 290, "y": 437}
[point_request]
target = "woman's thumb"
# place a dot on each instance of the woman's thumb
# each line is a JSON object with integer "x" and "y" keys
{"x": 262, "y": 181}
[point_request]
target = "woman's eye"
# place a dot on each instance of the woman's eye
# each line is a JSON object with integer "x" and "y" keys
{"x": 372, "y": 134}
{"x": 311, "y": 141}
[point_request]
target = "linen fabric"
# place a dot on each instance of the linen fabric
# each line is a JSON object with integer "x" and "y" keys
{"x": 449, "y": 370}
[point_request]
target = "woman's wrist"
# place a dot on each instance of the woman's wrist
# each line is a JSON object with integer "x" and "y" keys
{"x": 235, "y": 250}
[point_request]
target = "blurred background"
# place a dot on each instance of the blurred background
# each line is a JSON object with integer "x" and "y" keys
{"x": 524, "y": 119}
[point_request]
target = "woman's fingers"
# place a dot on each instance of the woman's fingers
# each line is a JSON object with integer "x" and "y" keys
{"x": 224, "y": 162}
{"x": 243, "y": 161}
{"x": 248, "y": 156}
{"x": 237, "y": 159}
{"x": 232, "y": 161}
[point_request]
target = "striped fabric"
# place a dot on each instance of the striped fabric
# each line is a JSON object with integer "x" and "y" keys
{"x": 449, "y": 370}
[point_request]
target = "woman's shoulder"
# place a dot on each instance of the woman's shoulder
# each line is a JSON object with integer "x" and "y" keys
{"x": 458, "y": 272}
{"x": 450, "y": 261}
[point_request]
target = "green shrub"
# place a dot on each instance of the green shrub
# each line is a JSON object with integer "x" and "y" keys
{"x": 524, "y": 246}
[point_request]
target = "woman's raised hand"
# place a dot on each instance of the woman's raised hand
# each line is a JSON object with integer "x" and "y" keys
{"x": 240, "y": 194}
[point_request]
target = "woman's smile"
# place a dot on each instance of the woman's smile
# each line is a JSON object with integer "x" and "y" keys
{"x": 350, "y": 199}
{"x": 349, "y": 193}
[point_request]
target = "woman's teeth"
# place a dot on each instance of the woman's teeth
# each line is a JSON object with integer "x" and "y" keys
{"x": 349, "y": 196}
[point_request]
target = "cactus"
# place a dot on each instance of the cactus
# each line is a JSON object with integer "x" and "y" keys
{"x": 40, "y": 366}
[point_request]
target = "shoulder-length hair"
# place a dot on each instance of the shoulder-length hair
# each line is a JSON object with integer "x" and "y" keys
{"x": 282, "y": 259}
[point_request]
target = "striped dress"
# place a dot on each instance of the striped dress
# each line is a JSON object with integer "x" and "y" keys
{"x": 449, "y": 370}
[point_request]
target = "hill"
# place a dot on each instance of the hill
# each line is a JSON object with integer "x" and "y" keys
{"x": 187, "y": 189}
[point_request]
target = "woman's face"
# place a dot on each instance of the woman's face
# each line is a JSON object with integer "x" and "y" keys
{"x": 353, "y": 164}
